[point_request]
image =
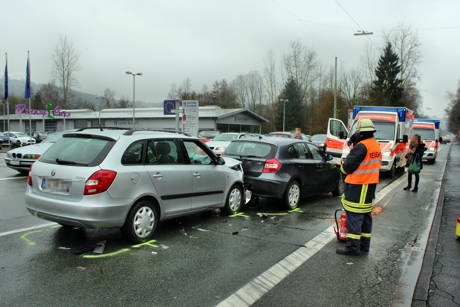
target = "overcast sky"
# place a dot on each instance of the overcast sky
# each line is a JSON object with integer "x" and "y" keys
{"x": 205, "y": 40}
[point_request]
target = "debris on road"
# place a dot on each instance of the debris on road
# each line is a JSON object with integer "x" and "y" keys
{"x": 82, "y": 268}
{"x": 64, "y": 248}
{"x": 164, "y": 246}
{"x": 100, "y": 246}
{"x": 154, "y": 253}
{"x": 235, "y": 233}
{"x": 201, "y": 229}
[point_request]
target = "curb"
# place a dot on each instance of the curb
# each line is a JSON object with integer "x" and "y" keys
{"x": 415, "y": 279}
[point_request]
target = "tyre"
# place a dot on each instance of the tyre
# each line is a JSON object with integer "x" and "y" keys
{"x": 292, "y": 195}
{"x": 234, "y": 200}
{"x": 338, "y": 191}
{"x": 394, "y": 170}
{"x": 141, "y": 222}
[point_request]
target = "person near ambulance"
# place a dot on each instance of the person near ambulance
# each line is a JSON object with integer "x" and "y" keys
{"x": 362, "y": 169}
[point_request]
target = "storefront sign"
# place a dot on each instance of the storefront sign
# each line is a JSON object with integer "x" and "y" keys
{"x": 50, "y": 111}
{"x": 191, "y": 116}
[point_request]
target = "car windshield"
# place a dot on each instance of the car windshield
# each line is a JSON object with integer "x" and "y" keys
{"x": 250, "y": 149}
{"x": 425, "y": 134}
{"x": 82, "y": 151}
{"x": 20, "y": 134}
{"x": 226, "y": 137}
{"x": 385, "y": 130}
{"x": 318, "y": 138}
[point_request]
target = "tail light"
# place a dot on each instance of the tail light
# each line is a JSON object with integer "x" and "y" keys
{"x": 99, "y": 182}
{"x": 271, "y": 166}
{"x": 29, "y": 178}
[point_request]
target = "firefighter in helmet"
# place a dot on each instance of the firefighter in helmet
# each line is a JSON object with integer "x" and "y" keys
{"x": 362, "y": 168}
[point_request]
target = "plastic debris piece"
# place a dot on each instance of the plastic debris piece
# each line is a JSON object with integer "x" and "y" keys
{"x": 81, "y": 268}
{"x": 64, "y": 248}
{"x": 244, "y": 229}
{"x": 154, "y": 253}
{"x": 350, "y": 263}
{"x": 100, "y": 246}
{"x": 164, "y": 246}
{"x": 235, "y": 233}
{"x": 201, "y": 229}
{"x": 261, "y": 215}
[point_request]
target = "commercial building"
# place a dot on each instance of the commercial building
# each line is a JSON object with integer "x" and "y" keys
{"x": 210, "y": 118}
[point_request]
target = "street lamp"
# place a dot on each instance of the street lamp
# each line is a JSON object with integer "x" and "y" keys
{"x": 134, "y": 95}
{"x": 284, "y": 110}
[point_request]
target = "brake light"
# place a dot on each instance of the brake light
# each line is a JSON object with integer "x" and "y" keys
{"x": 271, "y": 166}
{"x": 29, "y": 178}
{"x": 99, "y": 182}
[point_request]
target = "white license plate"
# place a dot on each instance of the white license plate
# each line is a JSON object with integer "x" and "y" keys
{"x": 51, "y": 185}
{"x": 13, "y": 162}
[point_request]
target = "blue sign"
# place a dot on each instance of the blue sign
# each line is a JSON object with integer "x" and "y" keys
{"x": 169, "y": 106}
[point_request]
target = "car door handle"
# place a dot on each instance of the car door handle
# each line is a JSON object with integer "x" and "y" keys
{"x": 157, "y": 175}
{"x": 196, "y": 174}
{"x": 329, "y": 140}
{"x": 299, "y": 166}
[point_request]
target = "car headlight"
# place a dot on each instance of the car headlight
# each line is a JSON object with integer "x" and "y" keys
{"x": 219, "y": 148}
{"x": 386, "y": 153}
{"x": 31, "y": 156}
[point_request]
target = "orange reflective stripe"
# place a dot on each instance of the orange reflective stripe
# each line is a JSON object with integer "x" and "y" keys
{"x": 369, "y": 169}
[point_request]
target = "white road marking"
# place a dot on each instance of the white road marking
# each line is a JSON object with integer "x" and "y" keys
{"x": 255, "y": 289}
{"x": 12, "y": 178}
{"x": 26, "y": 229}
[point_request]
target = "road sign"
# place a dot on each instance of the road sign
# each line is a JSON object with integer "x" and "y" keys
{"x": 169, "y": 106}
{"x": 191, "y": 116}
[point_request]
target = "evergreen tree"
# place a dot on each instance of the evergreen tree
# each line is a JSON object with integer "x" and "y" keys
{"x": 387, "y": 89}
{"x": 294, "y": 107}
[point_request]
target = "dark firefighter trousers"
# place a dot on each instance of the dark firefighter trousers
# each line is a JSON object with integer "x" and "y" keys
{"x": 359, "y": 230}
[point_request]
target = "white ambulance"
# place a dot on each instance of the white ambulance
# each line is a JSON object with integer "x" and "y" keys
{"x": 393, "y": 130}
{"x": 428, "y": 129}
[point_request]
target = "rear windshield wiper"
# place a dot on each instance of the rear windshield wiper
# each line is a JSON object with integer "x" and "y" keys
{"x": 59, "y": 161}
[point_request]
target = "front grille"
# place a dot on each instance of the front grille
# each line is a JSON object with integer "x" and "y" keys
{"x": 19, "y": 155}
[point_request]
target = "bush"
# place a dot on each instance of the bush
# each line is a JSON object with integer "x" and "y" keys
{"x": 15, "y": 145}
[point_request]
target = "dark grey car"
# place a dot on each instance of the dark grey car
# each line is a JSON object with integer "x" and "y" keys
{"x": 285, "y": 169}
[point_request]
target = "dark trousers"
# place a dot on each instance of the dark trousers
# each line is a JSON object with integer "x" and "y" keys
{"x": 359, "y": 230}
{"x": 409, "y": 179}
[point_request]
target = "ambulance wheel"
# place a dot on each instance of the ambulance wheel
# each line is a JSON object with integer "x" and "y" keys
{"x": 292, "y": 195}
{"x": 394, "y": 170}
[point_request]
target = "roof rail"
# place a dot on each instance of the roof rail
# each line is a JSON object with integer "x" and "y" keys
{"x": 102, "y": 128}
{"x": 131, "y": 131}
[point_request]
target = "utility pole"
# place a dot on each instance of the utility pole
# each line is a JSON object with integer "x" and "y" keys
{"x": 134, "y": 95}
{"x": 335, "y": 88}
{"x": 284, "y": 111}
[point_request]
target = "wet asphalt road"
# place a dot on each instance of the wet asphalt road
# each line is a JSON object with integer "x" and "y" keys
{"x": 202, "y": 259}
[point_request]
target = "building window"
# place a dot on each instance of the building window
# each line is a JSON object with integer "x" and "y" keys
{"x": 80, "y": 123}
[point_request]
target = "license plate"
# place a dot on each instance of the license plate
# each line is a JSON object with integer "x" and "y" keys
{"x": 50, "y": 185}
{"x": 13, "y": 162}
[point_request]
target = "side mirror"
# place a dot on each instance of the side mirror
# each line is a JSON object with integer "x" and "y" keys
{"x": 405, "y": 138}
{"x": 220, "y": 161}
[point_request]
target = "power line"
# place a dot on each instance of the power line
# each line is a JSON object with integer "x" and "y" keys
{"x": 349, "y": 15}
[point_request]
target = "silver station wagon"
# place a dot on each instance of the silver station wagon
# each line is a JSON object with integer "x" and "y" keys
{"x": 130, "y": 179}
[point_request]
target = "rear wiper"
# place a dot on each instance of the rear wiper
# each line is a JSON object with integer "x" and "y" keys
{"x": 59, "y": 161}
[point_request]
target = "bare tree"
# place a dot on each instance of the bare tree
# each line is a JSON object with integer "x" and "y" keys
{"x": 271, "y": 84}
{"x": 407, "y": 45}
{"x": 240, "y": 88}
{"x": 350, "y": 86}
{"x": 108, "y": 98}
{"x": 65, "y": 60}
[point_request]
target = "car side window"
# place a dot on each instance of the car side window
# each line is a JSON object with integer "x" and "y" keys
{"x": 298, "y": 151}
{"x": 163, "y": 152}
{"x": 196, "y": 154}
{"x": 133, "y": 155}
{"x": 315, "y": 152}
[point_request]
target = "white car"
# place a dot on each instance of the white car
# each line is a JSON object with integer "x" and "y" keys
{"x": 21, "y": 137}
{"x": 220, "y": 142}
{"x": 21, "y": 158}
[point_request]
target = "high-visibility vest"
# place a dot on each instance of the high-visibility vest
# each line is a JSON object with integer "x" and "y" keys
{"x": 369, "y": 169}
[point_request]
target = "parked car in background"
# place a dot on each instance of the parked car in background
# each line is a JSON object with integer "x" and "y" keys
{"x": 3, "y": 138}
{"x": 288, "y": 134}
{"x": 21, "y": 158}
{"x": 207, "y": 135}
{"x": 130, "y": 179}
{"x": 220, "y": 142}
{"x": 285, "y": 168}
{"x": 20, "y": 137}
{"x": 39, "y": 136}
{"x": 319, "y": 139}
